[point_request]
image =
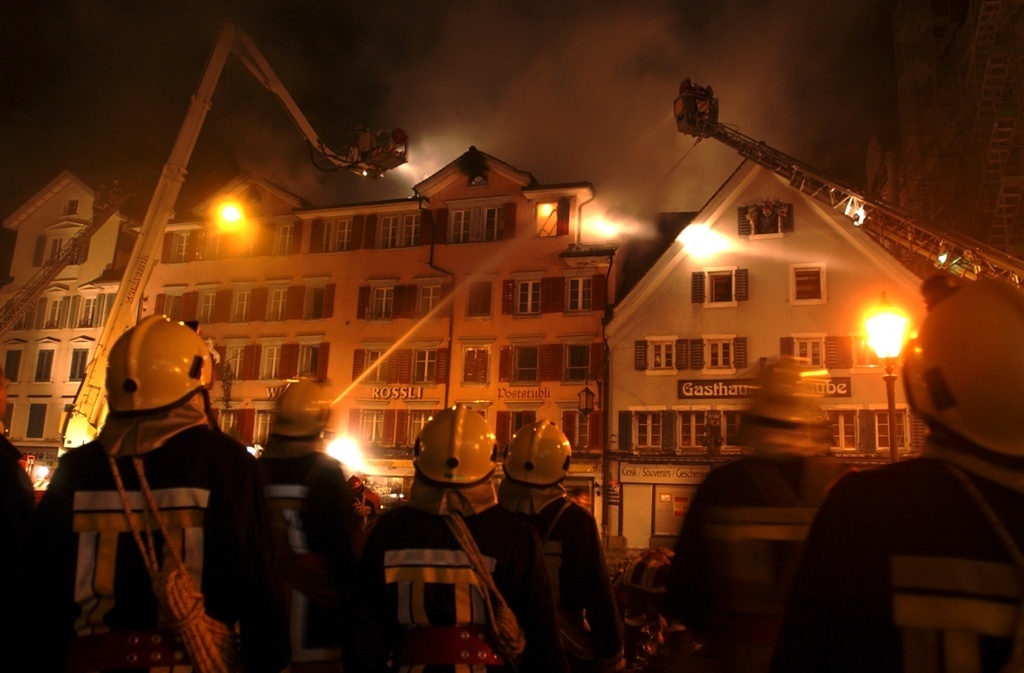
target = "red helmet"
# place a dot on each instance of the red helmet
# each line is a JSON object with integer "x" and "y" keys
{"x": 355, "y": 483}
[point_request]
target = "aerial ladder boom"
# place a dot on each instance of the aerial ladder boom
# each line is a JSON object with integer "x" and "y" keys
{"x": 372, "y": 153}
{"x": 896, "y": 229}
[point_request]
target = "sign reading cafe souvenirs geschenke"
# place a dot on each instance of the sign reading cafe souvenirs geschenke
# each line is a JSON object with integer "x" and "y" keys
{"x": 703, "y": 389}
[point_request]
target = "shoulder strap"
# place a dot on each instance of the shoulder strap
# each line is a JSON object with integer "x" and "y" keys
{"x": 551, "y": 527}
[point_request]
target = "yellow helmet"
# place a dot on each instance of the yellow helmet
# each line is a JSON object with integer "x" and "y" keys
{"x": 456, "y": 447}
{"x": 303, "y": 409}
{"x": 965, "y": 368}
{"x": 538, "y": 454}
{"x": 788, "y": 394}
{"x": 155, "y": 364}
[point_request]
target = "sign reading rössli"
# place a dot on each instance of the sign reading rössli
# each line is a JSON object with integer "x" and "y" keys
{"x": 397, "y": 393}
{"x": 700, "y": 389}
{"x": 663, "y": 474}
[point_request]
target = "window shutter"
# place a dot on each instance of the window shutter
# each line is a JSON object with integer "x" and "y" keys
{"x": 258, "y": 310}
{"x": 569, "y": 428}
{"x": 668, "y": 430}
{"x": 550, "y": 365}
{"x": 562, "y": 217}
{"x": 358, "y": 362}
{"x": 222, "y": 351}
{"x": 838, "y": 352}
{"x": 370, "y": 231}
{"x": 222, "y": 306}
{"x": 787, "y": 346}
{"x": 744, "y": 223}
{"x": 598, "y": 292}
{"x": 426, "y": 226}
{"x": 444, "y": 356}
{"x": 398, "y": 364}
{"x": 697, "y": 287}
{"x": 250, "y": 362}
{"x": 696, "y": 353}
{"x": 265, "y": 241}
{"x": 594, "y": 441}
{"x": 73, "y": 318}
{"x": 867, "y": 440}
{"x": 510, "y": 221}
{"x": 625, "y": 430}
{"x": 682, "y": 354}
{"x": 505, "y": 364}
{"x": 354, "y": 416}
{"x": 192, "y": 246}
{"x": 295, "y": 302}
{"x": 389, "y": 427}
{"x": 165, "y": 252}
{"x": 552, "y": 295}
{"x": 739, "y": 352}
{"x": 508, "y": 297}
{"x": 358, "y": 225}
{"x": 742, "y": 285}
{"x": 402, "y": 428}
{"x": 83, "y": 251}
{"x": 189, "y": 305}
{"x": 322, "y": 356}
{"x": 786, "y": 216}
{"x": 363, "y": 302}
{"x": 328, "y": 310}
{"x": 296, "y": 238}
{"x": 62, "y": 312}
{"x": 501, "y": 433}
{"x": 246, "y": 424}
{"x": 918, "y": 430}
{"x": 441, "y": 226}
{"x": 597, "y": 360}
{"x": 41, "y": 313}
{"x": 289, "y": 367}
{"x": 316, "y": 235}
{"x": 640, "y": 355}
{"x": 37, "y": 256}
{"x": 158, "y": 305}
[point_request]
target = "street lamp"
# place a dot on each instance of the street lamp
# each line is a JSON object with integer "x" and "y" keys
{"x": 886, "y": 326}
{"x": 586, "y": 398}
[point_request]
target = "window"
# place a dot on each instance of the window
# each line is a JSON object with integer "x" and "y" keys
{"x": 382, "y": 303}
{"x": 648, "y": 430}
{"x": 337, "y": 235}
{"x": 577, "y": 362}
{"x": 376, "y": 368}
{"x": 233, "y": 359}
{"x": 882, "y": 433}
{"x": 271, "y": 360}
{"x": 547, "y": 219}
{"x": 53, "y": 314}
{"x": 810, "y": 349}
{"x": 719, "y": 287}
{"x": 36, "y": 421}
{"x": 766, "y": 218}
{"x": 240, "y": 310}
{"x": 314, "y": 309}
{"x": 179, "y": 247}
{"x": 424, "y": 366}
{"x": 427, "y": 299}
{"x": 228, "y": 421}
{"x": 494, "y": 224}
{"x": 388, "y": 232}
{"x": 524, "y": 364}
{"x": 718, "y": 353}
{"x": 283, "y": 234}
{"x": 691, "y": 429}
{"x": 579, "y": 294}
{"x": 731, "y": 427}
{"x": 12, "y": 365}
{"x": 460, "y": 226}
{"x": 276, "y": 304}
{"x": 528, "y": 297}
{"x": 371, "y": 423}
{"x": 172, "y": 306}
{"x": 478, "y": 303}
{"x": 663, "y": 354}
{"x": 863, "y": 354}
{"x": 417, "y": 419}
{"x": 475, "y": 364}
{"x": 207, "y": 302}
{"x": 582, "y": 439}
{"x": 44, "y": 365}
{"x": 55, "y": 247}
{"x": 807, "y": 283}
{"x": 261, "y": 427}
{"x": 409, "y": 234}
{"x": 79, "y": 358}
{"x": 844, "y": 428}
{"x": 71, "y": 207}
{"x": 309, "y": 358}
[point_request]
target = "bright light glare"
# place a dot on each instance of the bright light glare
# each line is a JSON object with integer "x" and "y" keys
{"x": 545, "y": 209}
{"x": 40, "y": 472}
{"x": 229, "y": 216}
{"x": 886, "y": 329}
{"x": 346, "y": 451}
{"x": 701, "y": 242}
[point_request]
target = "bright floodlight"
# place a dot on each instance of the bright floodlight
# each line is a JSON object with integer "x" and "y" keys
{"x": 229, "y": 216}
{"x": 886, "y": 327}
{"x": 346, "y": 451}
{"x": 700, "y": 241}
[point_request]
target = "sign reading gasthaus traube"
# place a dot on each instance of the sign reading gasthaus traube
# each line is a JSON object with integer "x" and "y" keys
{"x": 703, "y": 389}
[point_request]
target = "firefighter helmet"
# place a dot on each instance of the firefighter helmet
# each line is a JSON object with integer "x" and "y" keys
{"x": 965, "y": 368}
{"x": 788, "y": 394}
{"x": 155, "y": 364}
{"x": 538, "y": 454}
{"x": 355, "y": 484}
{"x": 456, "y": 447}
{"x": 303, "y": 409}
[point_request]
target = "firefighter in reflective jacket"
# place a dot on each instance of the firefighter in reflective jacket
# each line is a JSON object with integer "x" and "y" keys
{"x": 742, "y": 536}
{"x": 536, "y": 465}
{"x": 316, "y": 532}
{"x": 97, "y": 607}
{"x": 916, "y": 566}
{"x": 425, "y": 605}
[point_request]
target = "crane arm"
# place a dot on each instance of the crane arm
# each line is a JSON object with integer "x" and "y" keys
{"x": 897, "y": 230}
{"x": 371, "y": 155}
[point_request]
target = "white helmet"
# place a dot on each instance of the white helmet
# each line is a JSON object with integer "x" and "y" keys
{"x": 538, "y": 454}
{"x": 456, "y": 447}
{"x": 303, "y": 409}
{"x": 155, "y": 364}
{"x": 965, "y": 368}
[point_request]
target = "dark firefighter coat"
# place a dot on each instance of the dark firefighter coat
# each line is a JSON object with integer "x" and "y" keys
{"x": 413, "y": 574}
{"x": 17, "y": 501}
{"x": 315, "y": 532}
{"x": 93, "y": 577}
{"x": 903, "y": 572}
{"x": 582, "y": 585}
{"x": 738, "y": 550}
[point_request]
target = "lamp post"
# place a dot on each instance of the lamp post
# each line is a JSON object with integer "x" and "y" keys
{"x": 586, "y": 399}
{"x": 886, "y": 326}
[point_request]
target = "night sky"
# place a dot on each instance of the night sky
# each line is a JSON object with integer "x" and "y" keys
{"x": 569, "y": 91}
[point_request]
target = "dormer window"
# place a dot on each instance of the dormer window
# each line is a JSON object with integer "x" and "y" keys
{"x": 71, "y": 207}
